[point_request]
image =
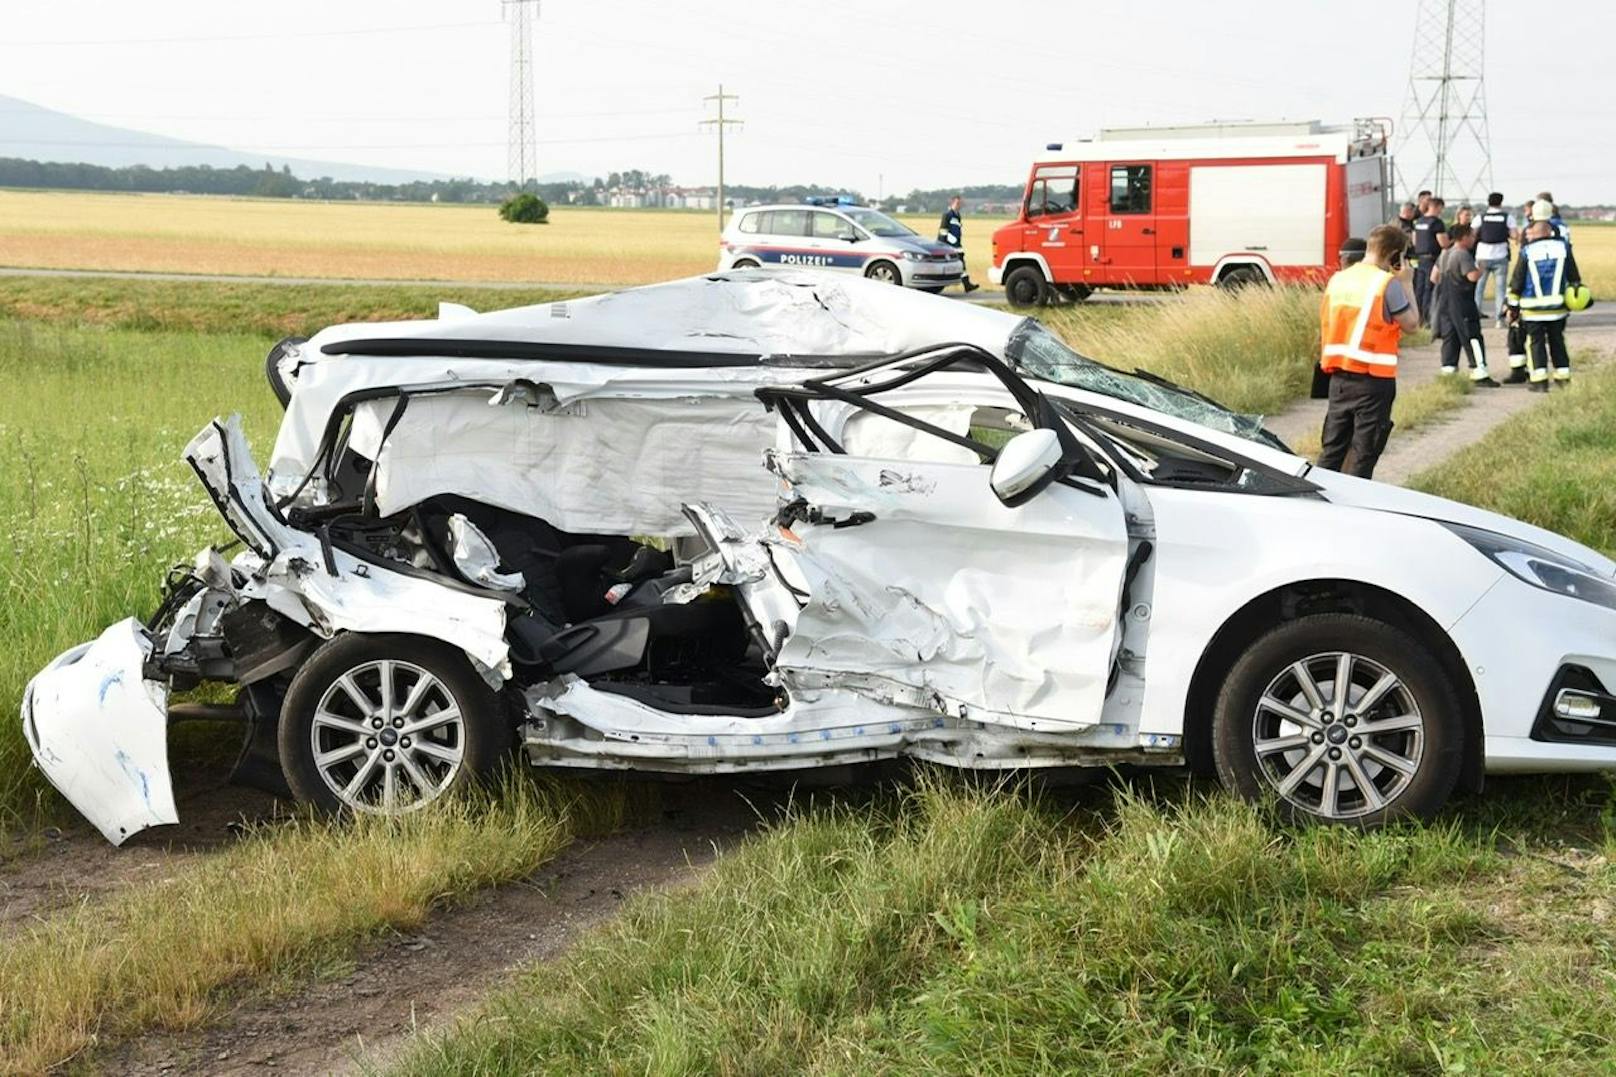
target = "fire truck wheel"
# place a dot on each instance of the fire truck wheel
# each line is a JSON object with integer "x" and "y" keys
{"x": 1024, "y": 286}
{"x": 1242, "y": 277}
{"x": 1074, "y": 293}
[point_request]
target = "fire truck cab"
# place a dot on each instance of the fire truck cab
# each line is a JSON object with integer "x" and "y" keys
{"x": 1165, "y": 207}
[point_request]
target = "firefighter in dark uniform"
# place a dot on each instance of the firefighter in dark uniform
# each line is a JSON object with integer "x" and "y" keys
{"x": 1543, "y": 273}
{"x": 1430, "y": 235}
{"x": 950, "y": 231}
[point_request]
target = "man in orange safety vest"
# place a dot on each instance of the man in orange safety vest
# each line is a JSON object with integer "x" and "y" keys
{"x": 1366, "y": 308}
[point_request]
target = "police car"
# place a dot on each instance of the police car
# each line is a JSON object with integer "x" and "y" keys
{"x": 839, "y": 235}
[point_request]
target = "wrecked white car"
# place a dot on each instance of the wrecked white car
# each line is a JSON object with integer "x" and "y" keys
{"x": 748, "y": 522}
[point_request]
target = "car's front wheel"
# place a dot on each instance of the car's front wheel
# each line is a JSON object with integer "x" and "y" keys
{"x": 744, "y": 263}
{"x": 1342, "y": 719}
{"x": 885, "y": 272}
{"x": 386, "y": 724}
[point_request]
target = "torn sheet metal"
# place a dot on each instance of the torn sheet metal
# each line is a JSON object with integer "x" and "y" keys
{"x": 99, "y": 731}
{"x": 1007, "y": 614}
{"x": 476, "y": 559}
{"x": 573, "y": 724}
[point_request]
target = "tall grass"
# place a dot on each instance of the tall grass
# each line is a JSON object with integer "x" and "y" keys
{"x": 976, "y": 930}
{"x": 1554, "y": 465}
{"x": 96, "y": 500}
{"x": 157, "y": 954}
{"x": 1252, "y": 351}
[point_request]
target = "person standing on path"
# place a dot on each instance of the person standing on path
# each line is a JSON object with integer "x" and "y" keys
{"x": 1430, "y": 237}
{"x": 950, "y": 230}
{"x": 1545, "y": 269}
{"x": 1457, "y": 318}
{"x": 1493, "y": 237}
{"x": 1365, "y": 311}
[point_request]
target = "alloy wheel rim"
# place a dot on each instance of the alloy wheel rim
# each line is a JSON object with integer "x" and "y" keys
{"x": 388, "y": 737}
{"x": 1338, "y": 735}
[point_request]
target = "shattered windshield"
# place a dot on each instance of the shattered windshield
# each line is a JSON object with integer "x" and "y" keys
{"x": 1036, "y": 351}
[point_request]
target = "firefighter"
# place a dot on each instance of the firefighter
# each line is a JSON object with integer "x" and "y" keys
{"x": 1546, "y": 208}
{"x": 949, "y": 230}
{"x": 1430, "y": 237}
{"x": 1543, "y": 272}
{"x": 1365, "y": 311}
{"x": 1516, "y": 333}
{"x": 1457, "y": 319}
{"x": 1493, "y": 237}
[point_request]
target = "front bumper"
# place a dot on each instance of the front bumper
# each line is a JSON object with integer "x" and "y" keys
{"x": 99, "y": 731}
{"x": 1517, "y": 640}
{"x": 932, "y": 274}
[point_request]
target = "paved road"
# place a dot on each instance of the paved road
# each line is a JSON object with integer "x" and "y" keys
{"x": 985, "y": 295}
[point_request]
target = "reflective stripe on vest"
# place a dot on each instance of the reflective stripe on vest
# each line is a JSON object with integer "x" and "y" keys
{"x": 1545, "y": 275}
{"x": 1494, "y": 227}
{"x": 1357, "y": 335}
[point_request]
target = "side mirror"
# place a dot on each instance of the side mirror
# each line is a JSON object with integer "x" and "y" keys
{"x": 1028, "y": 462}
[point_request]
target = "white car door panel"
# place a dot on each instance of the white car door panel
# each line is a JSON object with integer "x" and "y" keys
{"x": 918, "y": 577}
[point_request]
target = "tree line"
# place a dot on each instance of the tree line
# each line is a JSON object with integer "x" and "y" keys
{"x": 270, "y": 182}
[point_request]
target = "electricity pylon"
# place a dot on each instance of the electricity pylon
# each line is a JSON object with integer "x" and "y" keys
{"x": 523, "y": 148}
{"x": 1444, "y": 146}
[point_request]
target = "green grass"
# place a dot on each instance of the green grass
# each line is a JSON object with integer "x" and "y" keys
{"x": 964, "y": 929}
{"x": 1252, "y": 351}
{"x": 287, "y": 898}
{"x": 96, "y": 500}
{"x": 275, "y": 310}
{"x": 1553, "y": 465}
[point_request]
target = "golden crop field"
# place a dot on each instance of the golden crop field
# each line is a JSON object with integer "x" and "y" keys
{"x": 368, "y": 240}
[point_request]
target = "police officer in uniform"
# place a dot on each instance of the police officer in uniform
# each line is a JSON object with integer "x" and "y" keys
{"x": 1543, "y": 272}
{"x": 949, "y": 230}
{"x": 1430, "y": 238}
{"x": 1457, "y": 320}
{"x": 1493, "y": 235}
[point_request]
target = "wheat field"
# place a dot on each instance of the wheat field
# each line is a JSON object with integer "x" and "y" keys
{"x": 369, "y": 240}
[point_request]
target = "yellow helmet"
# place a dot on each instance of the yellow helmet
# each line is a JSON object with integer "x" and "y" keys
{"x": 1578, "y": 297}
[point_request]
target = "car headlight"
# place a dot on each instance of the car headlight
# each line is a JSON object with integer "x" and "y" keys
{"x": 1540, "y": 567}
{"x": 914, "y": 256}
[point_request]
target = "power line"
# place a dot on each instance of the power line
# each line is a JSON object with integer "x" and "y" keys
{"x": 719, "y": 123}
{"x": 260, "y": 148}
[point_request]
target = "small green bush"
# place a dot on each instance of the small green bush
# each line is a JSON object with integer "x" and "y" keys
{"x": 525, "y": 208}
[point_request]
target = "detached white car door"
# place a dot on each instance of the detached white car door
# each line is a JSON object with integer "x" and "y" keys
{"x": 922, "y": 587}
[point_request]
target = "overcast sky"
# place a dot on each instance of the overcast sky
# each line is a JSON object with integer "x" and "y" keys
{"x": 868, "y": 94}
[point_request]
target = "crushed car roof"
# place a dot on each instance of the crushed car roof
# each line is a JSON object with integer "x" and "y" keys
{"x": 741, "y": 317}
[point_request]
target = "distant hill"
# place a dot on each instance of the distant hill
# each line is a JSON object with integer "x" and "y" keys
{"x": 37, "y": 133}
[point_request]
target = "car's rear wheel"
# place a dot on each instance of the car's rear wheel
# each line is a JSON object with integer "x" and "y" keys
{"x": 885, "y": 272}
{"x": 1342, "y": 719}
{"x": 744, "y": 263}
{"x": 386, "y": 724}
{"x": 1024, "y": 286}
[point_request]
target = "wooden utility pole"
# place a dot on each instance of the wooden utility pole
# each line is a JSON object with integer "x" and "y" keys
{"x": 720, "y": 122}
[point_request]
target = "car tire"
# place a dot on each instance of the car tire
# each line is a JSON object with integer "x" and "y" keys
{"x": 410, "y": 757}
{"x": 932, "y": 289}
{"x": 1024, "y": 286}
{"x": 1241, "y": 277}
{"x": 744, "y": 263}
{"x": 885, "y": 272}
{"x": 1277, "y": 737}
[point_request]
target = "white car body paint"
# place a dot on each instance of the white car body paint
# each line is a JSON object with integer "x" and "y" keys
{"x": 944, "y": 627}
{"x": 99, "y": 731}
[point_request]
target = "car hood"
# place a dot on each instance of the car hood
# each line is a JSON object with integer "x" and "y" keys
{"x": 1342, "y": 489}
{"x": 917, "y": 243}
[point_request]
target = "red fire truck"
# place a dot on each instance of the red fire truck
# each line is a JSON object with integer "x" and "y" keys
{"x": 1162, "y": 207}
